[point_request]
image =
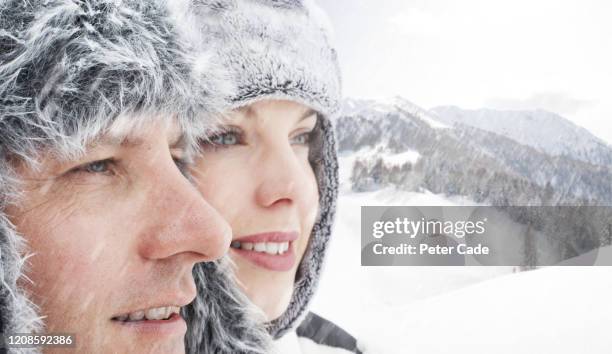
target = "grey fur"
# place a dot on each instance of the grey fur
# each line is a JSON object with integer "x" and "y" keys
{"x": 68, "y": 70}
{"x": 225, "y": 315}
{"x": 281, "y": 49}
{"x": 17, "y": 313}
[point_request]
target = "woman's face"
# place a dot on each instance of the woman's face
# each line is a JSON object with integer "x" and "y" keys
{"x": 115, "y": 236}
{"x": 257, "y": 175}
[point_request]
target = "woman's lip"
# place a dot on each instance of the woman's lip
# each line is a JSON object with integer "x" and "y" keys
{"x": 174, "y": 326}
{"x": 275, "y": 236}
{"x": 276, "y": 262}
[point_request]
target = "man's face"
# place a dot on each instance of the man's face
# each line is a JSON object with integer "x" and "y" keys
{"x": 115, "y": 236}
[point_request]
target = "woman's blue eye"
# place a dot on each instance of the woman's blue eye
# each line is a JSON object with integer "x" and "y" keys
{"x": 302, "y": 139}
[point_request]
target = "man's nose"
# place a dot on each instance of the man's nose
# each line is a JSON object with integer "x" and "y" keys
{"x": 182, "y": 222}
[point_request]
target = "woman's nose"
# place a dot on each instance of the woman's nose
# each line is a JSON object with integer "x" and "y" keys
{"x": 182, "y": 222}
{"x": 279, "y": 177}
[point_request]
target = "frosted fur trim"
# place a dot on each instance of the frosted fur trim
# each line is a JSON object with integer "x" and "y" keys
{"x": 17, "y": 313}
{"x": 228, "y": 311}
{"x": 68, "y": 68}
{"x": 274, "y": 47}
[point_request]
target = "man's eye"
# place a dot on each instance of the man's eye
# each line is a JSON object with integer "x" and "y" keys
{"x": 95, "y": 167}
{"x": 302, "y": 139}
{"x": 229, "y": 138}
{"x": 98, "y": 167}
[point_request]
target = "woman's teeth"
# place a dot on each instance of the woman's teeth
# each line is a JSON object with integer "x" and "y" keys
{"x": 263, "y": 247}
{"x": 152, "y": 314}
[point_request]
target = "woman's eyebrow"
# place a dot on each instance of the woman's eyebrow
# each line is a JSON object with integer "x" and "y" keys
{"x": 308, "y": 114}
{"x": 249, "y": 111}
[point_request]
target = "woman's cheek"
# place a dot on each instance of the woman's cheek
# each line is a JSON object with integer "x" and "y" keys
{"x": 311, "y": 193}
{"x": 222, "y": 180}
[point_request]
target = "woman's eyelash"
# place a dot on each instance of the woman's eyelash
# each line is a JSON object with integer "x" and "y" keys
{"x": 231, "y": 136}
{"x": 302, "y": 139}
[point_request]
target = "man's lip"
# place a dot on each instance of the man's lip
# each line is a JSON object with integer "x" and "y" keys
{"x": 274, "y": 236}
{"x": 180, "y": 301}
{"x": 156, "y": 330}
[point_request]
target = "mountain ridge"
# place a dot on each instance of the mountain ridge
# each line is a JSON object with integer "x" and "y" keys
{"x": 543, "y": 130}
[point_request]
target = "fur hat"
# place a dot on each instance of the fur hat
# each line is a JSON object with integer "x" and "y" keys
{"x": 68, "y": 70}
{"x": 281, "y": 49}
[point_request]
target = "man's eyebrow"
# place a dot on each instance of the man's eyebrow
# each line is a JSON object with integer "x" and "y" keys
{"x": 130, "y": 142}
{"x": 115, "y": 141}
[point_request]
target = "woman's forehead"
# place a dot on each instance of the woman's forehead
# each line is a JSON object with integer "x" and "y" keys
{"x": 266, "y": 109}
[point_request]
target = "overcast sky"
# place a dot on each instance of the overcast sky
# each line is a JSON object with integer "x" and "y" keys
{"x": 521, "y": 54}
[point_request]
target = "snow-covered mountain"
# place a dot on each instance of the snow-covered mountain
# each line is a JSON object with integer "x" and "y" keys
{"x": 459, "y": 159}
{"x": 545, "y": 131}
{"x": 398, "y": 146}
{"x": 373, "y": 108}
